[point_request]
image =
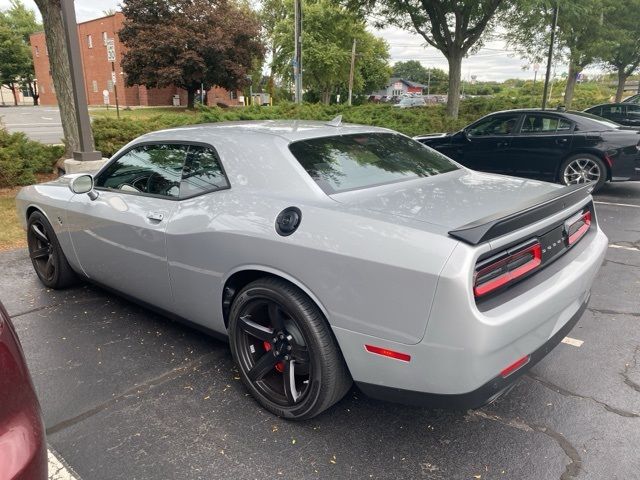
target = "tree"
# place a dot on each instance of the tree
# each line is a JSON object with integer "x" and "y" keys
{"x": 622, "y": 50}
{"x": 189, "y": 43}
{"x": 455, "y": 27}
{"x": 329, "y": 31}
{"x": 17, "y": 23}
{"x": 51, "y": 11}
{"x": 271, "y": 14}
{"x": 414, "y": 71}
{"x": 579, "y": 34}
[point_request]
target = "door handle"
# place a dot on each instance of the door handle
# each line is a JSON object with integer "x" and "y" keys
{"x": 155, "y": 216}
{"x": 502, "y": 144}
{"x": 562, "y": 140}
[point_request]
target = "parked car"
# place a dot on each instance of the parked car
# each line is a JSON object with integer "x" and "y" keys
{"x": 557, "y": 146}
{"x": 621, "y": 113}
{"x": 411, "y": 102}
{"x": 633, "y": 99}
{"x": 317, "y": 248}
{"x": 23, "y": 448}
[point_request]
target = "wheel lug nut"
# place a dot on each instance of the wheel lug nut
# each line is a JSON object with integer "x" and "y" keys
{"x": 289, "y": 348}
{"x": 286, "y": 357}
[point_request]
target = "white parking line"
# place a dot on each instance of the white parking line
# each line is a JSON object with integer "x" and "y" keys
{"x": 623, "y": 247}
{"x": 57, "y": 470}
{"x": 618, "y": 204}
{"x": 572, "y": 341}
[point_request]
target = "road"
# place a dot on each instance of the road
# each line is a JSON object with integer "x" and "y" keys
{"x": 40, "y": 123}
{"x": 128, "y": 394}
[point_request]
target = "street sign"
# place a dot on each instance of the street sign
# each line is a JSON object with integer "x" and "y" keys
{"x": 113, "y": 77}
{"x": 111, "y": 50}
{"x": 536, "y": 67}
{"x": 105, "y": 97}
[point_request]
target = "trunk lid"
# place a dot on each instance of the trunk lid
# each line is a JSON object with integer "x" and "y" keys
{"x": 450, "y": 200}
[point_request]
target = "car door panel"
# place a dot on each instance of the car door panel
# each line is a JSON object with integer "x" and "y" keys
{"x": 119, "y": 237}
{"x": 118, "y": 245}
{"x": 538, "y": 153}
{"x": 488, "y": 143}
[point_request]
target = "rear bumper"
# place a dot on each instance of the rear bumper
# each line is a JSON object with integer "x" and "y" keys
{"x": 479, "y": 396}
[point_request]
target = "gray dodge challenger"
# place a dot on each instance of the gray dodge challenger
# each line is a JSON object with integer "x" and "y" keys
{"x": 329, "y": 254}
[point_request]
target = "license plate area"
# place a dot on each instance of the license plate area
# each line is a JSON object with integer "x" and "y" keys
{"x": 553, "y": 244}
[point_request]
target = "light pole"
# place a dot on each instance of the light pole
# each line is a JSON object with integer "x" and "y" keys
{"x": 297, "y": 62}
{"x": 549, "y": 59}
{"x": 86, "y": 151}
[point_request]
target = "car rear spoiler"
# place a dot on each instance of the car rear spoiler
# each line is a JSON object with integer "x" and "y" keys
{"x": 501, "y": 223}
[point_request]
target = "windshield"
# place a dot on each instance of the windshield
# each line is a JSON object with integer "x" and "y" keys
{"x": 350, "y": 162}
{"x": 406, "y": 101}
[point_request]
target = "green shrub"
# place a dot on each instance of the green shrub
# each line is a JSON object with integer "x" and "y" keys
{"x": 21, "y": 159}
{"x": 111, "y": 134}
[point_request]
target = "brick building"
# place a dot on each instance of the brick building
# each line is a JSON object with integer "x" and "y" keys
{"x": 93, "y": 36}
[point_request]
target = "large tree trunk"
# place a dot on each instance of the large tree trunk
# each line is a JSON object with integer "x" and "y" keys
{"x": 326, "y": 97}
{"x": 14, "y": 91}
{"x": 622, "y": 80}
{"x": 34, "y": 92}
{"x": 453, "y": 96}
{"x": 191, "y": 97}
{"x": 572, "y": 77}
{"x": 61, "y": 72}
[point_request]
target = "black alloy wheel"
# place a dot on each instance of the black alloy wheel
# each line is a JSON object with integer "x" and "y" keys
{"x": 285, "y": 351}
{"x": 47, "y": 257}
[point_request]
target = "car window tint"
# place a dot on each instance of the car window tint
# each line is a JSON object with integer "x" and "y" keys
{"x": 503, "y": 125}
{"x": 147, "y": 169}
{"x": 544, "y": 124}
{"x": 612, "y": 110}
{"x": 350, "y": 162}
{"x": 202, "y": 172}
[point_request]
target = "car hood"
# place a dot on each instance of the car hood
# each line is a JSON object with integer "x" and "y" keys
{"x": 449, "y": 200}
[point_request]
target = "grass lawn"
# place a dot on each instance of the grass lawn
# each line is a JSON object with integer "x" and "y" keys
{"x": 11, "y": 233}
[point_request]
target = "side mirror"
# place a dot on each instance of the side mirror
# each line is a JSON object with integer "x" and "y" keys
{"x": 83, "y": 183}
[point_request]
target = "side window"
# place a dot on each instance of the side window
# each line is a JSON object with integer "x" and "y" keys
{"x": 541, "y": 124}
{"x": 502, "y": 125}
{"x": 147, "y": 169}
{"x": 202, "y": 172}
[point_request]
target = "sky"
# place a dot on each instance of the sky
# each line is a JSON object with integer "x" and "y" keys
{"x": 492, "y": 63}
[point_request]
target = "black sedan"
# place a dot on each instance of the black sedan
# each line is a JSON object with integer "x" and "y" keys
{"x": 556, "y": 146}
{"x": 622, "y": 113}
{"x": 633, "y": 99}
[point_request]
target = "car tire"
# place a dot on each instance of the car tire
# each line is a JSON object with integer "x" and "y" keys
{"x": 286, "y": 353}
{"x": 581, "y": 168}
{"x": 48, "y": 259}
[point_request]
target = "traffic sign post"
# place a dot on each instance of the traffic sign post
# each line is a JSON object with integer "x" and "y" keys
{"x": 111, "y": 57}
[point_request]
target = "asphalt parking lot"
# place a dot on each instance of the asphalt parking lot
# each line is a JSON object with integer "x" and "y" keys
{"x": 127, "y": 394}
{"x": 40, "y": 123}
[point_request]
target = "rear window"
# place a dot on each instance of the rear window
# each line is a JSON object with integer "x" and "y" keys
{"x": 351, "y": 162}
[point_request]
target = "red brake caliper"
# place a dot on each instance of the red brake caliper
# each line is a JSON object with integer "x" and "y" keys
{"x": 279, "y": 365}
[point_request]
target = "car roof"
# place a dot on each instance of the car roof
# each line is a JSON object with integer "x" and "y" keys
{"x": 617, "y": 104}
{"x": 290, "y": 130}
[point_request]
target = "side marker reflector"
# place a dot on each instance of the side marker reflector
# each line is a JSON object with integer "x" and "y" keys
{"x": 517, "y": 365}
{"x": 385, "y": 352}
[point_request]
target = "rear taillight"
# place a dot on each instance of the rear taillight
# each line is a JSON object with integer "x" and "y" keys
{"x": 575, "y": 228}
{"x": 506, "y": 267}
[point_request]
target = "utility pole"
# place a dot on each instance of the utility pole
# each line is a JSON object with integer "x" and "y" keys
{"x": 352, "y": 71}
{"x": 86, "y": 151}
{"x": 428, "y": 82}
{"x": 297, "y": 61}
{"x": 550, "y": 57}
